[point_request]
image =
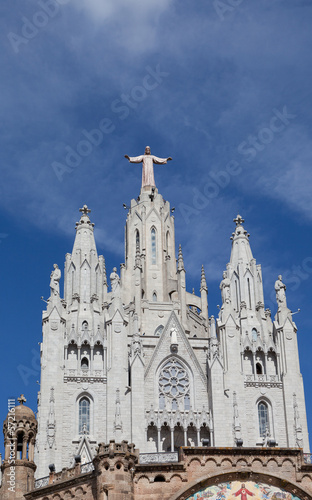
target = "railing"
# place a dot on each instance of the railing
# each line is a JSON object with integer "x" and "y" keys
{"x": 43, "y": 481}
{"x": 158, "y": 458}
{"x": 307, "y": 458}
{"x": 88, "y": 467}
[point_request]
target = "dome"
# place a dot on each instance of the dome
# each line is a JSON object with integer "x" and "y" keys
{"x": 21, "y": 412}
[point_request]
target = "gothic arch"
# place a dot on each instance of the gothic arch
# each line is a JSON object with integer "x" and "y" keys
{"x": 77, "y": 398}
{"x": 265, "y": 401}
{"x": 153, "y": 245}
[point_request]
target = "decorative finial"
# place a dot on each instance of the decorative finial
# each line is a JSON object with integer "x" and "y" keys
{"x": 85, "y": 210}
{"x": 21, "y": 399}
{"x": 239, "y": 220}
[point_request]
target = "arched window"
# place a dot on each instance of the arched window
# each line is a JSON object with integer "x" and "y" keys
{"x": 19, "y": 445}
{"x": 154, "y": 297}
{"x": 258, "y": 368}
{"x": 167, "y": 242}
{"x": 249, "y": 293}
{"x": 85, "y": 325}
{"x": 84, "y": 416}
{"x": 137, "y": 240}
{"x": 263, "y": 415}
{"x": 153, "y": 245}
{"x": 84, "y": 364}
{"x": 254, "y": 334}
{"x": 174, "y": 385}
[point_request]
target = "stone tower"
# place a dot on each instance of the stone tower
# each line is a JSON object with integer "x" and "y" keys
{"x": 18, "y": 468}
{"x": 135, "y": 356}
{"x": 254, "y": 372}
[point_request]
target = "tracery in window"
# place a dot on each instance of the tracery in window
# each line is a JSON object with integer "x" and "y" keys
{"x": 84, "y": 416}
{"x": 174, "y": 385}
{"x": 263, "y": 414}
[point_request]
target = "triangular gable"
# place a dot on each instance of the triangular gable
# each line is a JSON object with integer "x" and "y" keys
{"x": 85, "y": 261}
{"x": 150, "y": 213}
{"x": 182, "y": 338}
{"x": 84, "y": 450}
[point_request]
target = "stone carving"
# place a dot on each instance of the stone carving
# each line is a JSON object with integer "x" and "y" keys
{"x": 280, "y": 289}
{"x": 115, "y": 283}
{"x": 55, "y": 277}
{"x": 225, "y": 289}
{"x": 136, "y": 345}
{"x": 297, "y": 424}
{"x": 148, "y": 168}
{"x": 51, "y": 420}
{"x": 118, "y": 422}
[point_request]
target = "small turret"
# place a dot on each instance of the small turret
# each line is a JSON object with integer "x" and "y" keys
{"x": 18, "y": 468}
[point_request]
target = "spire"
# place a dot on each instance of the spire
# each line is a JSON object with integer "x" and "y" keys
{"x": 241, "y": 251}
{"x": 203, "y": 283}
{"x": 84, "y": 241}
{"x": 180, "y": 260}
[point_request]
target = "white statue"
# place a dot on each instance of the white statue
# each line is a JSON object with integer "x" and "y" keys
{"x": 174, "y": 338}
{"x": 55, "y": 277}
{"x": 280, "y": 289}
{"x": 115, "y": 282}
{"x": 225, "y": 289}
{"x": 148, "y": 168}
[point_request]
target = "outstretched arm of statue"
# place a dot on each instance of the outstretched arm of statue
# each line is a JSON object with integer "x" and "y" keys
{"x": 134, "y": 159}
{"x": 160, "y": 161}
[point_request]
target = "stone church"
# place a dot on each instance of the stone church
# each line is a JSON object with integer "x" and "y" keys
{"x": 143, "y": 394}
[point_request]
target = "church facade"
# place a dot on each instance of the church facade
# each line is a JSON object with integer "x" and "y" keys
{"x": 133, "y": 357}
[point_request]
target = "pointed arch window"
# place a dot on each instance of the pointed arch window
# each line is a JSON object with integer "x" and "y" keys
{"x": 153, "y": 245}
{"x": 154, "y": 297}
{"x": 249, "y": 292}
{"x": 254, "y": 334}
{"x": 84, "y": 416}
{"x": 84, "y": 363}
{"x": 137, "y": 240}
{"x": 263, "y": 415}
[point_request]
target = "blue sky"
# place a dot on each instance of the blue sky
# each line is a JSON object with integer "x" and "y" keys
{"x": 222, "y": 87}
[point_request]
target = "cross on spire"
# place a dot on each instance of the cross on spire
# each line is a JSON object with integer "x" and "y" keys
{"x": 21, "y": 399}
{"x": 239, "y": 220}
{"x": 85, "y": 210}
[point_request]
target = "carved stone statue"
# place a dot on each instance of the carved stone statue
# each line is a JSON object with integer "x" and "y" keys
{"x": 174, "y": 338}
{"x": 55, "y": 277}
{"x": 115, "y": 282}
{"x": 280, "y": 289}
{"x": 225, "y": 289}
{"x": 148, "y": 167}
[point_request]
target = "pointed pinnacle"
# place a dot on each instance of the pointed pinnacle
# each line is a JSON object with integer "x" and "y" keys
{"x": 104, "y": 272}
{"x": 203, "y": 282}
{"x": 180, "y": 259}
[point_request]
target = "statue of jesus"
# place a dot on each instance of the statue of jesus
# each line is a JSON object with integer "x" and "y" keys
{"x": 148, "y": 169}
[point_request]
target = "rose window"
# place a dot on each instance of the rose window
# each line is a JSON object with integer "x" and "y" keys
{"x": 174, "y": 382}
